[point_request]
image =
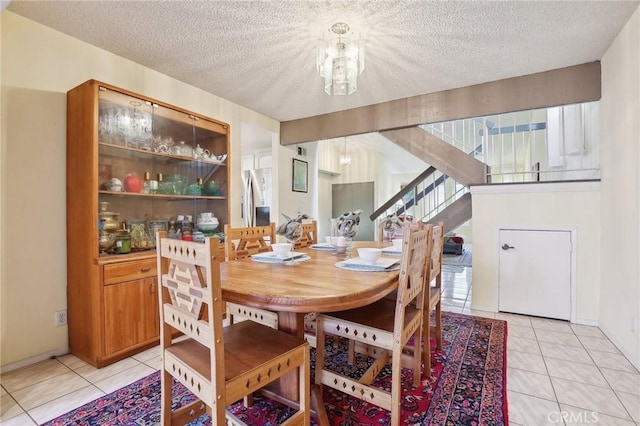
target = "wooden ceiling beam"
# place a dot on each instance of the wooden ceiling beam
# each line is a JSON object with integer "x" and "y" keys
{"x": 446, "y": 158}
{"x": 575, "y": 84}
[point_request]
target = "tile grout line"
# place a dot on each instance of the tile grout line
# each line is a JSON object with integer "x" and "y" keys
{"x": 544, "y": 360}
{"x": 24, "y": 410}
{"x": 600, "y": 371}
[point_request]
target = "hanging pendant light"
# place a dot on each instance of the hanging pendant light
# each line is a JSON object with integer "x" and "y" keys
{"x": 345, "y": 158}
{"x": 340, "y": 60}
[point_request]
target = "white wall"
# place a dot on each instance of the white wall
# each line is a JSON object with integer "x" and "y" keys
{"x": 568, "y": 205}
{"x": 39, "y": 65}
{"x": 620, "y": 159}
{"x": 289, "y": 202}
{"x": 365, "y": 166}
{"x": 3, "y": 156}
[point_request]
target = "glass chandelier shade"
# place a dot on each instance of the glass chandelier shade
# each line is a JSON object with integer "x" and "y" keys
{"x": 345, "y": 158}
{"x": 340, "y": 60}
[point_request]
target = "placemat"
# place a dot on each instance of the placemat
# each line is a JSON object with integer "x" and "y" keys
{"x": 271, "y": 257}
{"x": 391, "y": 251}
{"x": 384, "y": 264}
{"x": 322, "y": 246}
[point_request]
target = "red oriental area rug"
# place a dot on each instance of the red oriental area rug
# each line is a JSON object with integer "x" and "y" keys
{"x": 467, "y": 387}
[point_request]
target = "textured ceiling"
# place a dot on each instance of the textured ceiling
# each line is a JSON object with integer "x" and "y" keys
{"x": 261, "y": 54}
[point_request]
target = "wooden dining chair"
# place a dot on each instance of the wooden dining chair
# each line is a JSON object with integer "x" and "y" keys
{"x": 386, "y": 324}
{"x": 309, "y": 234}
{"x": 219, "y": 365}
{"x": 242, "y": 242}
{"x": 433, "y": 299}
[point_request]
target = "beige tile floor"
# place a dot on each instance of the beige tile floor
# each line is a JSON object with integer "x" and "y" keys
{"x": 558, "y": 373}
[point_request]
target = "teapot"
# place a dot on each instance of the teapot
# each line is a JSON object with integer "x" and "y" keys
{"x": 198, "y": 152}
{"x": 106, "y": 240}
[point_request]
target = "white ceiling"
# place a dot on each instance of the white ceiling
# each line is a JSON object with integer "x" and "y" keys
{"x": 262, "y": 54}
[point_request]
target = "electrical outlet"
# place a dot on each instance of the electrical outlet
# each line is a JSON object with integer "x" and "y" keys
{"x": 634, "y": 325}
{"x": 60, "y": 317}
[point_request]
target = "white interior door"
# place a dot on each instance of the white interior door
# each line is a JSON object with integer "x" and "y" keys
{"x": 535, "y": 273}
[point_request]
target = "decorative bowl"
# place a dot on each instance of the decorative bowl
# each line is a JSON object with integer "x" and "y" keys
{"x": 207, "y": 224}
{"x": 369, "y": 255}
{"x": 281, "y": 249}
{"x": 207, "y": 227}
{"x": 115, "y": 184}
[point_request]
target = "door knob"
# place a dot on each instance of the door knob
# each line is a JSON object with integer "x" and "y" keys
{"x": 506, "y": 246}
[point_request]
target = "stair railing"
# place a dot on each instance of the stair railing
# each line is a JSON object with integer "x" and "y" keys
{"x": 445, "y": 203}
{"x": 428, "y": 197}
{"x": 391, "y": 202}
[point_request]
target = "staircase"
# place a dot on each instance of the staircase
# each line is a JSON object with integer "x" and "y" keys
{"x": 441, "y": 192}
{"x": 542, "y": 145}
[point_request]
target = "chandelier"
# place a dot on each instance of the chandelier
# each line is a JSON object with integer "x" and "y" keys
{"x": 340, "y": 60}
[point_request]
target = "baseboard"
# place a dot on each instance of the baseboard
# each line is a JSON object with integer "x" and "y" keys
{"x": 33, "y": 360}
{"x": 586, "y": 322}
{"x": 484, "y": 308}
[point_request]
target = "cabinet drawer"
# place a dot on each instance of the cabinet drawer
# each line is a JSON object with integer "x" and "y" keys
{"x": 127, "y": 271}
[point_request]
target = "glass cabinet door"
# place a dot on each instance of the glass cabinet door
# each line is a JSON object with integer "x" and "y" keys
{"x": 158, "y": 169}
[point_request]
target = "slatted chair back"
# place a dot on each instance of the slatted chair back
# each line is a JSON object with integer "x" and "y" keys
{"x": 433, "y": 301}
{"x": 190, "y": 275}
{"x": 309, "y": 234}
{"x": 416, "y": 246}
{"x": 387, "y": 325}
{"x": 218, "y": 365}
{"x": 241, "y": 242}
{"x": 437, "y": 251}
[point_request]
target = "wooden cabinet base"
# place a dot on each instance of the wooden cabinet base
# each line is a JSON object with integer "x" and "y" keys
{"x": 118, "y": 356}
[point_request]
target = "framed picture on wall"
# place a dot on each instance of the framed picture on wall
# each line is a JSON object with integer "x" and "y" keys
{"x": 300, "y": 180}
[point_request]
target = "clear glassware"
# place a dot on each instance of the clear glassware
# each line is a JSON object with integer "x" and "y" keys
{"x": 336, "y": 240}
{"x": 347, "y": 228}
{"x": 349, "y": 233}
{"x": 390, "y": 225}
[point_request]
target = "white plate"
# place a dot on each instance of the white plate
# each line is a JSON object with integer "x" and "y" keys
{"x": 382, "y": 263}
{"x": 322, "y": 246}
{"x": 357, "y": 264}
{"x": 274, "y": 258}
{"x": 392, "y": 251}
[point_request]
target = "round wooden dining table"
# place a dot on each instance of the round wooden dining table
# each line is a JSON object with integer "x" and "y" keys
{"x": 312, "y": 285}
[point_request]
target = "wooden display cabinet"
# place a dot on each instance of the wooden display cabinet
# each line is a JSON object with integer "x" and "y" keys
{"x": 112, "y": 299}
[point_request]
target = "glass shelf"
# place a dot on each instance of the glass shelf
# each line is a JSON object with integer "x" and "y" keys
{"x": 162, "y": 196}
{"x": 119, "y": 151}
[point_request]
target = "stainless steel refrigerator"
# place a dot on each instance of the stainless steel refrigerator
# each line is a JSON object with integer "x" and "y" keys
{"x": 256, "y": 197}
